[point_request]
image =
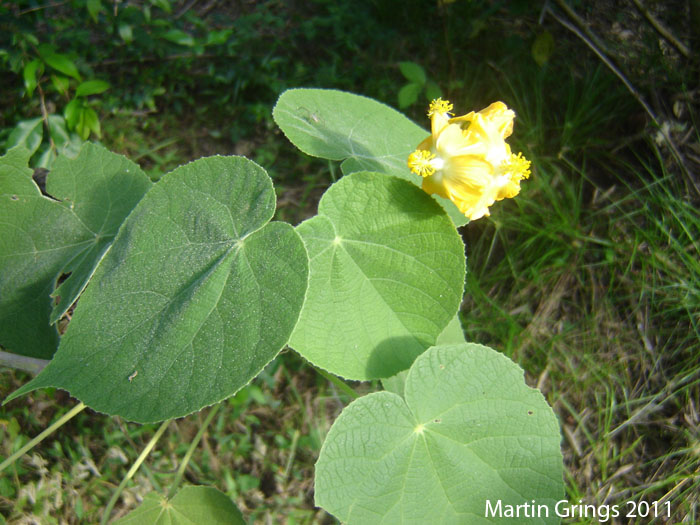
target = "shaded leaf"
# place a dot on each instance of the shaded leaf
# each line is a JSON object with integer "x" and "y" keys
{"x": 61, "y": 63}
{"x": 179, "y": 37}
{"x": 91, "y": 87}
{"x": 432, "y": 90}
{"x": 163, "y": 4}
{"x": 196, "y": 295}
{"x": 30, "y": 75}
{"x": 413, "y": 72}
{"x": 27, "y": 133}
{"x": 43, "y": 238}
{"x": 61, "y": 84}
{"x": 542, "y": 48}
{"x": 72, "y": 112}
{"x": 94, "y": 8}
{"x": 452, "y": 334}
{"x": 409, "y": 94}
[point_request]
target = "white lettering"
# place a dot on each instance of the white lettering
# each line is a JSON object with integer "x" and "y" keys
{"x": 492, "y": 512}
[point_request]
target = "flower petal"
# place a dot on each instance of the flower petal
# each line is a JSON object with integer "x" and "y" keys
{"x": 434, "y": 185}
{"x": 500, "y": 117}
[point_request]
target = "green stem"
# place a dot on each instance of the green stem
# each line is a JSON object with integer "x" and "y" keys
{"x": 132, "y": 471}
{"x": 20, "y": 362}
{"x": 64, "y": 419}
{"x": 190, "y": 451}
{"x": 339, "y": 383}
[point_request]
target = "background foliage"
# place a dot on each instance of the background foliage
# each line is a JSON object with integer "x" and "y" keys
{"x": 589, "y": 279}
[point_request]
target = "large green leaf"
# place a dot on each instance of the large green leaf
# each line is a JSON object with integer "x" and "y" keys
{"x": 387, "y": 274}
{"x": 364, "y": 133}
{"x": 190, "y": 506}
{"x": 468, "y": 431}
{"x": 42, "y": 239}
{"x": 196, "y": 295}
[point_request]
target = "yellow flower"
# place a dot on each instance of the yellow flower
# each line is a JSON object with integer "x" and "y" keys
{"x": 467, "y": 160}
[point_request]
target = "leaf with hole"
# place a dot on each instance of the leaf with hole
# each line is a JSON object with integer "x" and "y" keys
{"x": 387, "y": 274}
{"x": 468, "y": 430}
{"x": 44, "y": 239}
{"x": 198, "y": 292}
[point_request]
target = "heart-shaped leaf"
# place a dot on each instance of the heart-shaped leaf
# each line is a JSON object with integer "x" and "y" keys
{"x": 469, "y": 431}
{"x": 367, "y": 135}
{"x": 43, "y": 239}
{"x": 197, "y": 294}
{"x": 387, "y": 275}
{"x": 191, "y": 505}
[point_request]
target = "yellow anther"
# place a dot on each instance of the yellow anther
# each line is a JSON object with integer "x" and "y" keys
{"x": 419, "y": 162}
{"x": 439, "y": 106}
{"x": 519, "y": 167}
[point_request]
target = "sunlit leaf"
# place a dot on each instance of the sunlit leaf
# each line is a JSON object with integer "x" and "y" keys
{"x": 387, "y": 273}
{"x": 179, "y": 37}
{"x": 467, "y": 430}
{"x": 363, "y": 133}
{"x": 191, "y": 505}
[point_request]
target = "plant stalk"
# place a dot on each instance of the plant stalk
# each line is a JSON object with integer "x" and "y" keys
{"x": 48, "y": 431}
{"x": 342, "y": 385}
{"x": 132, "y": 471}
{"x": 21, "y": 362}
{"x": 190, "y": 451}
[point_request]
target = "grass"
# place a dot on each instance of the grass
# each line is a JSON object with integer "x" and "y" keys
{"x": 596, "y": 296}
{"x": 590, "y": 280}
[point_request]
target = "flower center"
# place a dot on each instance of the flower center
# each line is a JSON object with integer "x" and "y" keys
{"x": 439, "y": 106}
{"x": 518, "y": 167}
{"x": 420, "y": 163}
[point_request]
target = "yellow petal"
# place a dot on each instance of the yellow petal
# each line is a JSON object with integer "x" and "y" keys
{"x": 508, "y": 190}
{"x": 500, "y": 117}
{"x": 452, "y": 141}
{"x": 468, "y": 173}
{"x": 438, "y": 121}
{"x": 473, "y": 165}
{"x": 433, "y": 185}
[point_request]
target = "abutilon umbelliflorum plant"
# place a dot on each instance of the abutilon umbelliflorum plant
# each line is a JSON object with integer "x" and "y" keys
{"x": 187, "y": 288}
